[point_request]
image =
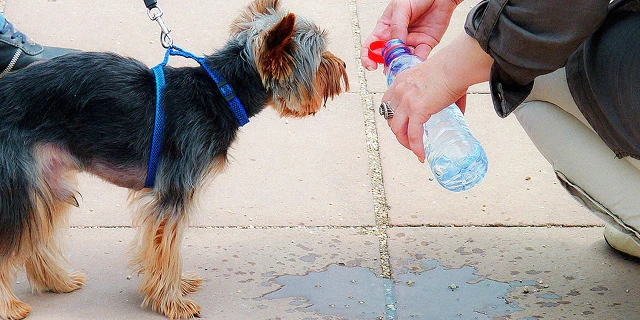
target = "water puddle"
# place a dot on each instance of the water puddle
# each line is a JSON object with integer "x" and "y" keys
{"x": 433, "y": 293}
{"x": 349, "y": 292}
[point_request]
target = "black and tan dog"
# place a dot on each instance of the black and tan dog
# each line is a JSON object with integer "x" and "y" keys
{"x": 94, "y": 112}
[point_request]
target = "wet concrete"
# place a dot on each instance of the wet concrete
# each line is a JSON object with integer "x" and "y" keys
{"x": 434, "y": 293}
{"x": 352, "y": 293}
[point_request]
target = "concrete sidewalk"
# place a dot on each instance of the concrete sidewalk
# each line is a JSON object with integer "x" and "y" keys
{"x": 329, "y": 217}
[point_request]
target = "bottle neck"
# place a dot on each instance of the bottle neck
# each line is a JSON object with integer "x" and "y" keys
{"x": 393, "y": 49}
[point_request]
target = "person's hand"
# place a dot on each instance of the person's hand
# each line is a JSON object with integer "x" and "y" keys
{"x": 431, "y": 86}
{"x": 418, "y": 23}
{"x": 414, "y": 96}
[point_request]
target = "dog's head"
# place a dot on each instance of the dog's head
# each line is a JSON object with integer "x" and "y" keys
{"x": 290, "y": 55}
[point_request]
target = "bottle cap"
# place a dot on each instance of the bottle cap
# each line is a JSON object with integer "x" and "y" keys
{"x": 385, "y": 51}
{"x": 375, "y": 51}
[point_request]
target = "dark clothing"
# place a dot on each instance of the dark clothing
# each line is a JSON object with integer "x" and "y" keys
{"x": 604, "y": 79}
{"x": 597, "y": 43}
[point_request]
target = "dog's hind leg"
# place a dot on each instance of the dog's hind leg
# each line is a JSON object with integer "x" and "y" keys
{"x": 44, "y": 266}
{"x": 160, "y": 232}
{"x": 16, "y": 211}
{"x": 56, "y": 192}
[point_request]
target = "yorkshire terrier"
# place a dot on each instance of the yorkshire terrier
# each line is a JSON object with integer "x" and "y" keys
{"x": 94, "y": 112}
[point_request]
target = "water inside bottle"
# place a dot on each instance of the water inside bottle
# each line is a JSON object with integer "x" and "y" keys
{"x": 459, "y": 162}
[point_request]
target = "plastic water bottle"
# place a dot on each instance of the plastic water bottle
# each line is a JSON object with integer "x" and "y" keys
{"x": 455, "y": 157}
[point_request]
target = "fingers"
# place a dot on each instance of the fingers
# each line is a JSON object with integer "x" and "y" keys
{"x": 398, "y": 125}
{"x": 394, "y": 23}
{"x": 408, "y": 131}
{"x": 380, "y": 32}
{"x": 364, "y": 59}
{"x": 400, "y": 18}
{"x": 388, "y": 95}
{"x": 422, "y": 50}
{"x": 367, "y": 62}
{"x": 415, "y": 131}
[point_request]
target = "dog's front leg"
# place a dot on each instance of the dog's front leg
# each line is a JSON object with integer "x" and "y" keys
{"x": 159, "y": 262}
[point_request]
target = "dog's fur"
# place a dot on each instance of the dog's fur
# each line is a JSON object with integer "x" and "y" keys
{"x": 94, "y": 112}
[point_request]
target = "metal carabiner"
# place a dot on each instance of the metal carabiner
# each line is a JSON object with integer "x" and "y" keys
{"x": 155, "y": 14}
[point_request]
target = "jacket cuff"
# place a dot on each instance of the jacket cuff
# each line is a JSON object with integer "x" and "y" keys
{"x": 482, "y": 19}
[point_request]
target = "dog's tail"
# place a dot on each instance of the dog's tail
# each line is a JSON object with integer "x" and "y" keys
{"x": 17, "y": 187}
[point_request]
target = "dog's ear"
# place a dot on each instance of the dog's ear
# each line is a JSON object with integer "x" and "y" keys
{"x": 275, "y": 58}
{"x": 263, "y": 6}
{"x": 256, "y": 8}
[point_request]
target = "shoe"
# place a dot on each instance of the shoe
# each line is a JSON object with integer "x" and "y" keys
{"x": 621, "y": 241}
{"x": 18, "y": 51}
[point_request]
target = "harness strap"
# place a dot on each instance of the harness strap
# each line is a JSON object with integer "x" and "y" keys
{"x": 223, "y": 86}
{"x": 158, "y": 126}
{"x": 227, "y": 91}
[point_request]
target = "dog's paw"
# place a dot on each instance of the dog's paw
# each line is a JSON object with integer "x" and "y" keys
{"x": 14, "y": 310}
{"x": 181, "y": 309}
{"x": 75, "y": 281}
{"x": 190, "y": 283}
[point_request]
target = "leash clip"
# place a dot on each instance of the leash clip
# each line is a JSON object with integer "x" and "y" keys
{"x": 155, "y": 14}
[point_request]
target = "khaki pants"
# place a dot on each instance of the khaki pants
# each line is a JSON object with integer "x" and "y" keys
{"x": 585, "y": 166}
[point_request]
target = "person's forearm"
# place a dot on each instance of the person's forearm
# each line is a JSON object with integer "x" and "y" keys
{"x": 463, "y": 62}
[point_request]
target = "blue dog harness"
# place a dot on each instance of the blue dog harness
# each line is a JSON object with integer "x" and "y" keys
{"x": 158, "y": 71}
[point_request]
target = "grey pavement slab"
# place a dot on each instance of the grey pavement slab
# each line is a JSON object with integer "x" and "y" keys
{"x": 438, "y": 273}
{"x": 552, "y": 273}
{"x": 240, "y": 267}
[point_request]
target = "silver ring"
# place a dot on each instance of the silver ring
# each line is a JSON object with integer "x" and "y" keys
{"x": 385, "y": 110}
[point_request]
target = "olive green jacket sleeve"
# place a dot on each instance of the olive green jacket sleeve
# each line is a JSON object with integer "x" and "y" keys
{"x": 528, "y": 38}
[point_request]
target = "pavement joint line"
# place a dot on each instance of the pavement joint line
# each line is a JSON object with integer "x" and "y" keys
{"x": 380, "y": 206}
{"x": 361, "y": 228}
{"x": 381, "y": 209}
{"x": 497, "y": 225}
{"x": 372, "y": 230}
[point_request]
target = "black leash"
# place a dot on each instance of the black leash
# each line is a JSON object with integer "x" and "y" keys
{"x": 150, "y": 3}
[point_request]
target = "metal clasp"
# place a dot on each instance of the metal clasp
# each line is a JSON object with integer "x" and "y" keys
{"x": 155, "y": 14}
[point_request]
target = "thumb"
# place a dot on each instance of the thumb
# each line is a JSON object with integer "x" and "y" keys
{"x": 400, "y": 20}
